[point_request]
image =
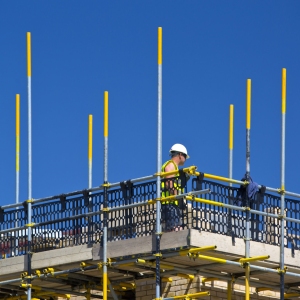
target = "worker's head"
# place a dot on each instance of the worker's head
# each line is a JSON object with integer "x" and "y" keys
{"x": 180, "y": 152}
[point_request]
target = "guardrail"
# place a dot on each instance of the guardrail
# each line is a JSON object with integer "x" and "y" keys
{"x": 77, "y": 219}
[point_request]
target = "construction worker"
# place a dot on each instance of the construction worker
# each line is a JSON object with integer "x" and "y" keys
{"x": 171, "y": 210}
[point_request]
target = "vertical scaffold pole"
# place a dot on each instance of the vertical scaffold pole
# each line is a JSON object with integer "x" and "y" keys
{"x": 159, "y": 163}
{"x": 231, "y": 114}
{"x": 17, "y": 162}
{"x": 283, "y": 110}
{"x": 90, "y": 150}
{"x": 247, "y": 238}
{"x": 29, "y": 163}
{"x": 105, "y": 202}
{"x": 17, "y": 146}
{"x": 229, "y": 289}
{"x": 90, "y": 170}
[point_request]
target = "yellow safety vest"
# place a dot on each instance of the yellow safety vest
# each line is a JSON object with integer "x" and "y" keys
{"x": 165, "y": 192}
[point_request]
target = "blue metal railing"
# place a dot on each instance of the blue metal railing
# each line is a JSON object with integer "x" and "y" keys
{"x": 77, "y": 219}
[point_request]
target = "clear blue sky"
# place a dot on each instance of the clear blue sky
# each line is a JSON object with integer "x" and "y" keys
{"x": 82, "y": 48}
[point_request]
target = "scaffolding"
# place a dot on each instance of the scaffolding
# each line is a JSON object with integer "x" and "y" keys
{"x": 131, "y": 210}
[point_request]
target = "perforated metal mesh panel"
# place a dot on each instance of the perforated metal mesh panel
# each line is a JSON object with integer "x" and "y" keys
{"x": 64, "y": 222}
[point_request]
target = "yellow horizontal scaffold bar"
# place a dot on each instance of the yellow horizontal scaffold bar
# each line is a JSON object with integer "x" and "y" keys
{"x": 220, "y": 178}
{"x": 168, "y": 198}
{"x": 126, "y": 264}
{"x": 201, "y": 200}
{"x": 255, "y": 258}
{"x": 211, "y": 258}
{"x": 209, "y": 279}
{"x": 262, "y": 289}
{"x": 286, "y": 296}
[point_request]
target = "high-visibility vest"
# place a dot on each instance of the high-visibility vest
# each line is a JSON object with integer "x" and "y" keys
{"x": 165, "y": 192}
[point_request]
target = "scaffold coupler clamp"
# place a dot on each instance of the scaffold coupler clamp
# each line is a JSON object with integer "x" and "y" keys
{"x": 283, "y": 271}
{"x": 38, "y": 273}
{"x": 157, "y": 255}
{"x": 246, "y": 208}
{"x": 24, "y": 275}
{"x": 192, "y": 255}
{"x": 25, "y": 285}
{"x": 109, "y": 262}
{"x": 245, "y": 264}
{"x": 107, "y": 185}
{"x": 246, "y": 239}
{"x": 159, "y": 233}
{"x": 233, "y": 278}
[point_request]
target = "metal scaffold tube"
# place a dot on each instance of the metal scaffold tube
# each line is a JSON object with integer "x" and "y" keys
{"x": 29, "y": 163}
{"x": 90, "y": 173}
{"x": 230, "y": 146}
{"x": 112, "y": 291}
{"x": 105, "y": 202}
{"x": 90, "y": 150}
{"x": 17, "y": 159}
{"x": 247, "y": 236}
{"x": 231, "y": 111}
{"x": 282, "y": 183}
{"x": 159, "y": 162}
{"x": 17, "y": 146}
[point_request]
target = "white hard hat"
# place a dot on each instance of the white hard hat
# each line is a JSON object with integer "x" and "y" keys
{"x": 179, "y": 148}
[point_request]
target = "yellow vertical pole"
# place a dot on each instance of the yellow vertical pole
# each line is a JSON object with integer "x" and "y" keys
{"x": 28, "y": 54}
{"x": 231, "y": 114}
{"x": 105, "y": 114}
{"x": 229, "y": 289}
{"x": 105, "y": 203}
{"x": 88, "y": 293}
{"x": 248, "y": 121}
